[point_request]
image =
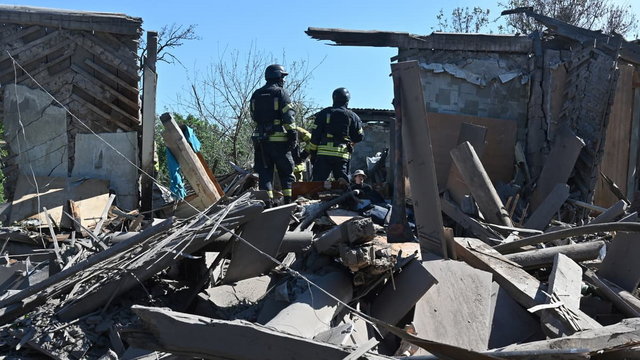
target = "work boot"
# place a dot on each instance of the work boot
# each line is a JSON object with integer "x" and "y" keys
{"x": 287, "y": 200}
{"x": 268, "y": 204}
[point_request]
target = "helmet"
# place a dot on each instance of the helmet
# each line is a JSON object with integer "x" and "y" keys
{"x": 341, "y": 96}
{"x": 275, "y": 72}
{"x": 359, "y": 172}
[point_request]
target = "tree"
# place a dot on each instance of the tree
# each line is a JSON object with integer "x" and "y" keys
{"x": 463, "y": 20}
{"x": 221, "y": 96}
{"x": 602, "y": 15}
{"x": 170, "y": 37}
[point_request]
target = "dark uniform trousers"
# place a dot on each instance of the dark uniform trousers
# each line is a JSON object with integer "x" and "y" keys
{"x": 269, "y": 154}
{"x": 325, "y": 165}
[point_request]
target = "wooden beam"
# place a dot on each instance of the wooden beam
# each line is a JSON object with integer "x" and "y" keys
{"x": 634, "y": 145}
{"x": 612, "y": 213}
{"x": 435, "y": 41}
{"x": 474, "y": 175}
{"x": 419, "y": 157}
{"x": 476, "y": 136}
{"x": 623, "y": 300}
{"x": 621, "y": 265}
{"x": 565, "y": 284}
{"x": 558, "y": 165}
{"x": 514, "y": 246}
{"x": 524, "y": 288}
{"x": 150, "y": 82}
{"x": 549, "y": 207}
{"x": 190, "y": 165}
{"x": 72, "y": 20}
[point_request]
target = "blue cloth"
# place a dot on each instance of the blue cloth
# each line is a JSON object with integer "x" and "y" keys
{"x": 177, "y": 183}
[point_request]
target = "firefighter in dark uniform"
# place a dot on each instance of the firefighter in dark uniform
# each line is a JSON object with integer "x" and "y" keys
{"x": 275, "y": 133}
{"x": 336, "y": 130}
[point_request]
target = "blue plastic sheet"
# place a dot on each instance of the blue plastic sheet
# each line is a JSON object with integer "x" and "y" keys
{"x": 177, "y": 183}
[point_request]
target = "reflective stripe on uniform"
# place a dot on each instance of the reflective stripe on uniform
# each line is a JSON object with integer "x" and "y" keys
{"x": 313, "y": 147}
{"x": 270, "y": 194}
{"x": 286, "y": 108}
{"x": 278, "y": 137}
{"x": 276, "y": 104}
{"x": 337, "y": 151}
{"x": 328, "y": 118}
{"x": 290, "y": 127}
{"x": 286, "y": 192}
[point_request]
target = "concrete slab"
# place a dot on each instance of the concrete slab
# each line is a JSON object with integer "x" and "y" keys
{"x": 265, "y": 232}
{"x": 42, "y": 146}
{"x": 312, "y": 311}
{"x": 95, "y": 159}
{"x": 244, "y": 291}
{"x": 510, "y": 322}
{"x": 456, "y": 310}
{"x": 621, "y": 265}
{"x": 398, "y": 297}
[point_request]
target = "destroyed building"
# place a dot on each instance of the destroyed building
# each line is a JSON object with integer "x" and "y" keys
{"x": 507, "y": 241}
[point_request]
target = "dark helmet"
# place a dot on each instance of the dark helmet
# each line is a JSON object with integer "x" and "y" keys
{"x": 275, "y": 72}
{"x": 341, "y": 96}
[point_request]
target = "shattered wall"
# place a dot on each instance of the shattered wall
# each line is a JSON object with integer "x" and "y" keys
{"x": 87, "y": 61}
{"x": 36, "y": 132}
{"x": 376, "y": 136}
{"x": 493, "y": 85}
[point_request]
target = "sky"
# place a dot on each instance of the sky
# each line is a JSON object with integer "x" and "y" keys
{"x": 278, "y": 26}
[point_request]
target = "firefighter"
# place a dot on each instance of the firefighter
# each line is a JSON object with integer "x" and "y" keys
{"x": 336, "y": 130}
{"x": 275, "y": 133}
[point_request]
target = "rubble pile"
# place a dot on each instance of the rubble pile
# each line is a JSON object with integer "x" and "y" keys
{"x": 453, "y": 265}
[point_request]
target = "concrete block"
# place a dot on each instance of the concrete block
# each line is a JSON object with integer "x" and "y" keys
{"x": 95, "y": 159}
{"x": 42, "y": 146}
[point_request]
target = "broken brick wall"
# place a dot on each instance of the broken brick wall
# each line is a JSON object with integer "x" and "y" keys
{"x": 88, "y": 62}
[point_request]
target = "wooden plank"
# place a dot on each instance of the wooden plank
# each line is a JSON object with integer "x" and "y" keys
{"x": 634, "y": 145}
{"x": 419, "y": 157}
{"x": 558, "y": 166}
{"x": 150, "y": 82}
{"x": 105, "y": 87}
{"x": 524, "y": 288}
{"x": 549, "y": 207}
{"x": 90, "y": 195}
{"x": 34, "y": 296}
{"x": 615, "y": 160}
{"x": 69, "y": 19}
{"x": 624, "y": 333}
{"x": 111, "y": 76}
{"x": 467, "y": 222}
{"x": 621, "y": 265}
{"x": 456, "y": 310}
{"x": 190, "y": 165}
{"x": 623, "y": 300}
{"x": 474, "y": 175}
{"x": 615, "y": 211}
{"x": 476, "y": 136}
{"x": 498, "y": 156}
{"x": 514, "y": 246}
{"x": 437, "y": 41}
{"x": 565, "y": 285}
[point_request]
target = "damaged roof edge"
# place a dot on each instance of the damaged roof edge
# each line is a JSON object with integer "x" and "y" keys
{"x": 71, "y": 19}
{"x": 436, "y": 41}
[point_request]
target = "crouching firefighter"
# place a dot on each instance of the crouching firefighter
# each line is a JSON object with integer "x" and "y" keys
{"x": 275, "y": 132}
{"x": 336, "y": 130}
